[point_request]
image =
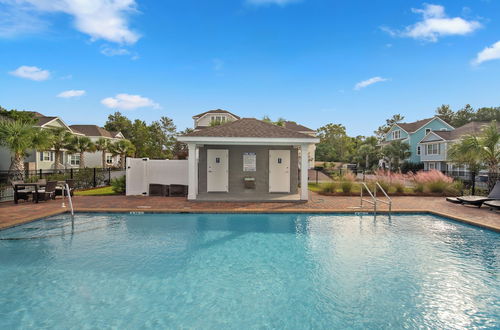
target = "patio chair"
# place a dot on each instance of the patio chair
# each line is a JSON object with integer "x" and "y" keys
{"x": 479, "y": 200}
{"x": 24, "y": 193}
{"x": 493, "y": 205}
{"x": 178, "y": 190}
{"x": 49, "y": 192}
{"x": 71, "y": 185}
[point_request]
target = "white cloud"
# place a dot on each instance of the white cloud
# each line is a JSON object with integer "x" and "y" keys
{"x": 488, "y": 54}
{"x": 71, "y": 93}
{"x": 129, "y": 102}
{"x": 109, "y": 51}
{"x": 271, "y": 2}
{"x": 31, "y": 72}
{"x": 435, "y": 24}
{"x": 368, "y": 82}
{"x": 101, "y": 19}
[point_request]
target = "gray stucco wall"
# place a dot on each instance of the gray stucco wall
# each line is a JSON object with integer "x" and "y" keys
{"x": 236, "y": 174}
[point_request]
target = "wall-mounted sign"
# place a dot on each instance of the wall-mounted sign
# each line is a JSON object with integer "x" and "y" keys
{"x": 249, "y": 162}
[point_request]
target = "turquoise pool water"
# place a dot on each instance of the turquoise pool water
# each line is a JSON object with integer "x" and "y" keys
{"x": 248, "y": 271}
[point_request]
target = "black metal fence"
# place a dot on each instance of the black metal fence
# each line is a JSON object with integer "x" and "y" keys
{"x": 84, "y": 178}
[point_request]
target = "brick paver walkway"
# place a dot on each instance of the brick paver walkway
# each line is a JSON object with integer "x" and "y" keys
{"x": 11, "y": 214}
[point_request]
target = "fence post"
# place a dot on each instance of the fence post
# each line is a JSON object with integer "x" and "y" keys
{"x": 95, "y": 183}
{"x": 40, "y": 176}
{"x": 473, "y": 177}
{"x": 71, "y": 173}
{"x": 109, "y": 175}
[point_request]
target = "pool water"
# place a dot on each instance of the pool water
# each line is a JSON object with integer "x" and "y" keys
{"x": 248, "y": 271}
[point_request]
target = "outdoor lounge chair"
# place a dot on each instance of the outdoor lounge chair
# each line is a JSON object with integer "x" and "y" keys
{"x": 49, "y": 192}
{"x": 479, "y": 200}
{"x": 71, "y": 185}
{"x": 493, "y": 205}
{"x": 24, "y": 193}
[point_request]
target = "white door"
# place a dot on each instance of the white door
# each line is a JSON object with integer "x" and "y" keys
{"x": 217, "y": 170}
{"x": 279, "y": 171}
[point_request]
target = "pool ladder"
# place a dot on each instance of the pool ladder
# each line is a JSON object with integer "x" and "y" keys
{"x": 373, "y": 197}
{"x": 67, "y": 192}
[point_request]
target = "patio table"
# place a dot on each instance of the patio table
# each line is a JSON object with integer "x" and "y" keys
{"x": 36, "y": 185}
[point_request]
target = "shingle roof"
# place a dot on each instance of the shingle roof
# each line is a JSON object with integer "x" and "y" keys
{"x": 216, "y": 111}
{"x": 93, "y": 130}
{"x": 474, "y": 127}
{"x": 297, "y": 127}
{"x": 412, "y": 127}
{"x": 43, "y": 120}
{"x": 249, "y": 127}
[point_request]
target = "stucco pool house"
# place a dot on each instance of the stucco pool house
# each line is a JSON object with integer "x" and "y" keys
{"x": 247, "y": 159}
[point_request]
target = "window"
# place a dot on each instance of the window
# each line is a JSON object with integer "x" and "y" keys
{"x": 418, "y": 150}
{"x": 74, "y": 159}
{"x": 432, "y": 166}
{"x": 433, "y": 149}
{"x": 396, "y": 135}
{"x": 46, "y": 156}
{"x": 427, "y": 131}
{"x": 109, "y": 159}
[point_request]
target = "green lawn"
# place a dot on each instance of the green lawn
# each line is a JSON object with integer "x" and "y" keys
{"x": 102, "y": 191}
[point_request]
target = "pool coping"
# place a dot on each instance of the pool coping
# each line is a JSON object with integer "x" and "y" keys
{"x": 247, "y": 211}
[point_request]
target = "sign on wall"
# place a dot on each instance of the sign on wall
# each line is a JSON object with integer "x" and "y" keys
{"x": 249, "y": 162}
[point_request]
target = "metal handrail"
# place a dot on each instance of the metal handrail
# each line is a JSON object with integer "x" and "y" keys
{"x": 385, "y": 194}
{"x": 373, "y": 201}
{"x": 67, "y": 191}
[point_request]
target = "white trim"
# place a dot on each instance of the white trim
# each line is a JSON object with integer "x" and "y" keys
{"x": 246, "y": 140}
{"x": 216, "y": 113}
{"x": 67, "y": 127}
{"x": 432, "y": 132}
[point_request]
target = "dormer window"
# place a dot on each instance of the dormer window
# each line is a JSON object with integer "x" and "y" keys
{"x": 396, "y": 135}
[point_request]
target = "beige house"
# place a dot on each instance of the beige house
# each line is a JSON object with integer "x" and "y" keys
{"x": 94, "y": 159}
{"x": 45, "y": 160}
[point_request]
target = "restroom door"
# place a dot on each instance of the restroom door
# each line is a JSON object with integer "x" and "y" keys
{"x": 279, "y": 171}
{"x": 217, "y": 170}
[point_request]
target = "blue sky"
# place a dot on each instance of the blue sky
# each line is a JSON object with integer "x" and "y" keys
{"x": 312, "y": 61}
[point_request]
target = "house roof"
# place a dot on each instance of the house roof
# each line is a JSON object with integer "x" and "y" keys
{"x": 474, "y": 127}
{"x": 215, "y": 111}
{"x": 93, "y": 130}
{"x": 42, "y": 120}
{"x": 249, "y": 127}
{"x": 412, "y": 127}
{"x": 297, "y": 127}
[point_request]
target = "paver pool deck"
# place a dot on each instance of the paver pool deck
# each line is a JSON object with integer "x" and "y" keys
{"x": 12, "y": 214}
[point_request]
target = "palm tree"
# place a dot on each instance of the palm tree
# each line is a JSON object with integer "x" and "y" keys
{"x": 81, "y": 145}
{"x": 60, "y": 137}
{"x": 123, "y": 148}
{"x": 103, "y": 145}
{"x": 20, "y": 137}
{"x": 480, "y": 150}
{"x": 396, "y": 152}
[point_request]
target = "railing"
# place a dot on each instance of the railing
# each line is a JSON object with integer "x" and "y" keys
{"x": 374, "y": 200}
{"x": 389, "y": 200}
{"x": 67, "y": 192}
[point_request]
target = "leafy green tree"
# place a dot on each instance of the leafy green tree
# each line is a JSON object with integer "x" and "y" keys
{"x": 334, "y": 145}
{"x": 122, "y": 148}
{"x": 488, "y": 114}
{"x": 103, "y": 145}
{"x": 24, "y": 116}
{"x": 396, "y": 152}
{"x": 382, "y": 130}
{"x": 80, "y": 145}
{"x": 59, "y": 138}
{"x": 20, "y": 138}
{"x": 463, "y": 116}
{"x": 279, "y": 122}
{"x": 119, "y": 123}
{"x": 483, "y": 148}
{"x": 179, "y": 149}
{"x": 446, "y": 113}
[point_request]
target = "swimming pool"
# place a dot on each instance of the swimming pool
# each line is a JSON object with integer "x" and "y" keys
{"x": 287, "y": 271}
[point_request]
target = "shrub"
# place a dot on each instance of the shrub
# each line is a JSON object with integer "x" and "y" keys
{"x": 329, "y": 187}
{"x": 399, "y": 186}
{"x": 419, "y": 187}
{"x": 456, "y": 188}
{"x": 118, "y": 185}
{"x": 84, "y": 178}
{"x": 347, "y": 186}
{"x": 435, "y": 181}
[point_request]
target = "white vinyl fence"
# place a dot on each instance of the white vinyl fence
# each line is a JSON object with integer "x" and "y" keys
{"x": 143, "y": 171}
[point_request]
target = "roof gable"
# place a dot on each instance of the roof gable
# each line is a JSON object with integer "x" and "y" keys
{"x": 297, "y": 127}
{"x": 94, "y": 130}
{"x": 216, "y": 111}
{"x": 249, "y": 127}
{"x": 433, "y": 137}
